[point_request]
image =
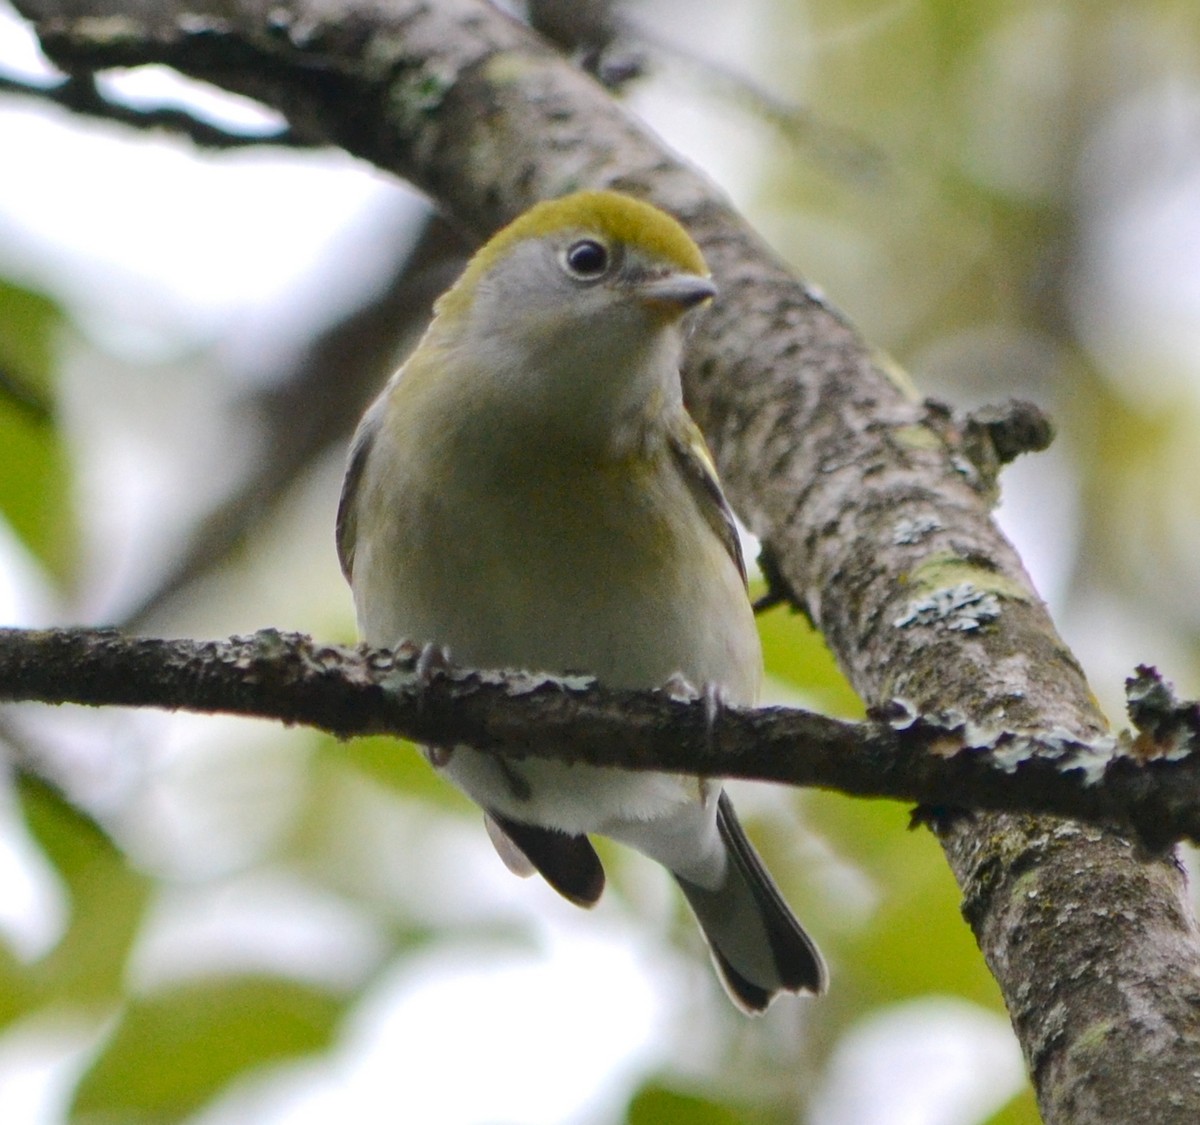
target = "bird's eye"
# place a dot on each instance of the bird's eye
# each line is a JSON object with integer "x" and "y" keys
{"x": 587, "y": 259}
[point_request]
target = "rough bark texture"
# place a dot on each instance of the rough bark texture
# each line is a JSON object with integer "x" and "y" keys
{"x": 875, "y": 520}
{"x": 1149, "y": 787}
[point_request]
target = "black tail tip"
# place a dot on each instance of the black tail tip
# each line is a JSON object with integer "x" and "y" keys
{"x": 803, "y": 974}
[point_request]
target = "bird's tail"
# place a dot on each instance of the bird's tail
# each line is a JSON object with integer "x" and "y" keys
{"x": 758, "y": 946}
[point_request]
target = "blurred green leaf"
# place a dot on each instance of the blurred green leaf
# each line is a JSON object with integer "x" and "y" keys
{"x": 108, "y": 899}
{"x": 342, "y": 834}
{"x": 796, "y": 653}
{"x": 16, "y": 988}
{"x": 397, "y": 765}
{"x": 28, "y": 321}
{"x": 1022, "y": 1110}
{"x": 658, "y": 1105}
{"x": 174, "y": 1050}
{"x": 34, "y": 471}
{"x": 915, "y": 941}
{"x": 872, "y": 833}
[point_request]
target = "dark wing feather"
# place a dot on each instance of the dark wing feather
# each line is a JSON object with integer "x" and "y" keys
{"x": 695, "y": 462}
{"x": 347, "y": 512}
{"x": 568, "y": 863}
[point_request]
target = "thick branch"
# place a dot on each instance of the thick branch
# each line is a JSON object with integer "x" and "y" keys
{"x": 944, "y": 764}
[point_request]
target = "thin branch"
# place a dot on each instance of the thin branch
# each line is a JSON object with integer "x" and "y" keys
{"x": 305, "y": 412}
{"x": 840, "y": 149}
{"x": 1149, "y": 788}
{"x": 79, "y": 94}
{"x": 617, "y": 50}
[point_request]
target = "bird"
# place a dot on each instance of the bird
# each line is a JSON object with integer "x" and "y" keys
{"x": 530, "y": 492}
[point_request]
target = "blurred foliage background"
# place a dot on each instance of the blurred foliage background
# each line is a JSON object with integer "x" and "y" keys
{"x": 214, "y": 921}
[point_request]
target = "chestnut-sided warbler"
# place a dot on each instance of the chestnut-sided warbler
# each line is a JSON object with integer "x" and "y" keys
{"x": 529, "y": 492}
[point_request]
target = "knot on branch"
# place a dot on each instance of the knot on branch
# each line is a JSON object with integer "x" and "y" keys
{"x": 992, "y": 436}
{"x": 1009, "y": 429}
{"x": 1167, "y": 728}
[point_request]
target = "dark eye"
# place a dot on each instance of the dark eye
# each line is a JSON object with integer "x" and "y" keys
{"x": 587, "y": 259}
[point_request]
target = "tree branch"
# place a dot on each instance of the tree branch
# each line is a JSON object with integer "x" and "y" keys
{"x": 1148, "y": 787}
{"x": 79, "y": 94}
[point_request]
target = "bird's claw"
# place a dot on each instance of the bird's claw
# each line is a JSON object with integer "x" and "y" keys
{"x": 714, "y": 703}
{"x": 679, "y": 688}
{"x": 438, "y": 756}
{"x": 433, "y": 658}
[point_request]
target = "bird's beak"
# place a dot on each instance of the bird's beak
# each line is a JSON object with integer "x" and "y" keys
{"x": 674, "y": 294}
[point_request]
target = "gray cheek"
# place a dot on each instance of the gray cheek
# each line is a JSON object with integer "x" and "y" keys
{"x": 529, "y": 279}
